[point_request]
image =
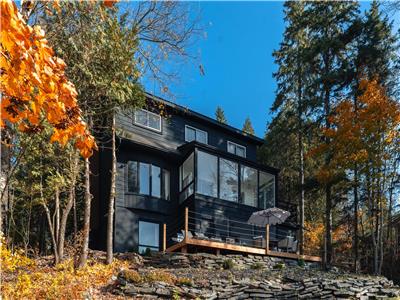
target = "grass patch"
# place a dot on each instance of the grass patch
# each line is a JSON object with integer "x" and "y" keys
{"x": 228, "y": 264}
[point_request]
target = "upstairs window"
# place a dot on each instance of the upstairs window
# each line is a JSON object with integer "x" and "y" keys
{"x": 147, "y": 179}
{"x": 148, "y": 119}
{"x": 194, "y": 134}
{"x": 236, "y": 149}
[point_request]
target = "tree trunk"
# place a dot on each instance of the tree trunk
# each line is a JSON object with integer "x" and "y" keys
{"x": 328, "y": 226}
{"x": 301, "y": 157}
{"x": 56, "y": 221}
{"x": 67, "y": 208}
{"x": 51, "y": 229}
{"x": 110, "y": 217}
{"x": 355, "y": 192}
{"x": 86, "y": 217}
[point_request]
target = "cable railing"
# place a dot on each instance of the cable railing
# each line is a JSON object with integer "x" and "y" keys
{"x": 218, "y": 228}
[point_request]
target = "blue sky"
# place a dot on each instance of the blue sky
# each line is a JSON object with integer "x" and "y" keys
{"x": 237, "y": 58}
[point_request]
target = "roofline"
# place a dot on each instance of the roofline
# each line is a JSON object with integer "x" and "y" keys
{"x": 205, "y": 118}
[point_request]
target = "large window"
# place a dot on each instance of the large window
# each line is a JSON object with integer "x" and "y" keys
{"x": 228, "y": 180}
{"x": 266, "y": 190}
{"x": 187, "y": 172}
{"x": 133, "y": 180}
{"x": 236, "y": 149}
{"x": 148, "y": 119}
{"x": 149, "y": 236}
{"x": 225, "y": 179}
{"x": 207, "y": 174}
{"x": 146, "y": 179}
{"x": 248, "y": 179}
{"x": 194, "y": 134}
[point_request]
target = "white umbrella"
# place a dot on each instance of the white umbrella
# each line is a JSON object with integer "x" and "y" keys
{"x": 271, "y": 216}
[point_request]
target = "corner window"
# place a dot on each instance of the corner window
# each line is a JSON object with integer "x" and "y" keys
{"x": 266, "y": 190}
{"x": 228, "y": 180}
{"x": 148, "y": 119}
{"x": 248, "y": 188}
{"x": 146, "y": 179}
{"x": 236, "y": 149}
{"x": 194, "y": 134}
{"x": 149, "y": 236}
{"x": 207, "y": 174}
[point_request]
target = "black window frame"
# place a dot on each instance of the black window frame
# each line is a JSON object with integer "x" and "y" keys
{"x": 150, "y": 181}
{"x": 195, "y": 134}
{"x": 241, "y": 163}
{"x": 159, "y": 234}
{"x": 146, "y": 126}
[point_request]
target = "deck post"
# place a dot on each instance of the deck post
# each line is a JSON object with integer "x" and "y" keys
{"x": 164, "y": 237}
{"x": 186, "y": 224}
{"x": 266, "y": 239}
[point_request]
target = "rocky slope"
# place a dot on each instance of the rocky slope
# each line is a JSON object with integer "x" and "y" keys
{"x": 205, "y": 276}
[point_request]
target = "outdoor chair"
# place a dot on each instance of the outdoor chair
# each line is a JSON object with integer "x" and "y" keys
{"x": 179, "y": 238}
{"x": 285, "y": 244}
{"x": 230, "y": 240}
{"x": 190, "y": 235}
{"x": 200, "y": 236}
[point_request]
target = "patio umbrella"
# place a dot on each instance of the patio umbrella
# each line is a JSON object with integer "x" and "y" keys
{"x": 271, "y": 216}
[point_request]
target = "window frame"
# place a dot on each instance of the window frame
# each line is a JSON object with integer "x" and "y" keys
{"x": 150, "y": 181}
{"x": 236, "y": 146}
{"x": 159, "y": 234}
{"x": 146, "y": 126}
{"x": 195, "y": 134}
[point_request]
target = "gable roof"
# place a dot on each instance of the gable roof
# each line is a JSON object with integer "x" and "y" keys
{"x": 205, "y": 119}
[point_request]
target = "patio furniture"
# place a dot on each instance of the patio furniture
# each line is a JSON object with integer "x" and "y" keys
{"x": 179, "y": 238}
{"x": 270, "y": 216}
{"x": 259, "y": 241}
{"x": 230, "y": 240}
{"x": 286, "y": 243}
{"x": 200, "y": 235}
{"x": 190, "y": 235}
{"x": 216, "y": 239}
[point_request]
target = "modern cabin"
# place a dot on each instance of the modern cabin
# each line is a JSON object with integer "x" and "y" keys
{"x": 185, "y": 182}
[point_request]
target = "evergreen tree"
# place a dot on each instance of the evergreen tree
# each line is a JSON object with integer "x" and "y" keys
{"x": 220, "y": 115}
{"x": 248, "y": 127}
{"x": 293, "y": 77}
{"x": 331, "y": 33}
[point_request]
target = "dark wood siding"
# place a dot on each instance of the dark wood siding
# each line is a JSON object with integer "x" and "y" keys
{"x": 172, "y": 134}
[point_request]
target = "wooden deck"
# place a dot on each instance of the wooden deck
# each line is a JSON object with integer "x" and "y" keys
{"x": 183, "y": 246}
{"x": 219, "y": 245}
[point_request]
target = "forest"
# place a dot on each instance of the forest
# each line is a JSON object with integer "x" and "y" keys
{"x": 335, "y": 130}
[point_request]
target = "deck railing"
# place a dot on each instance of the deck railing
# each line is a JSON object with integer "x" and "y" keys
{"x": 216, "y": 232}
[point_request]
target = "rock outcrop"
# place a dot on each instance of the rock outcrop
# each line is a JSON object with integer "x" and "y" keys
{"x": 206, "y": 276}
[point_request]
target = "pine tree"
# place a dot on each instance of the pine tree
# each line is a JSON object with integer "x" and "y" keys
{"x": 248, "y": 127}
{"x": 293, "y": 77}
{"x": 220, "y": 115}
{"x": 375, "y": 58}
{"x": 332, "y": 33}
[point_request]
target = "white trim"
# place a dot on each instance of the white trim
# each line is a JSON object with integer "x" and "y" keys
{"x": 195, "y": 137}
{"x": 236, "y": 146}
{"x": 146, "y": 126}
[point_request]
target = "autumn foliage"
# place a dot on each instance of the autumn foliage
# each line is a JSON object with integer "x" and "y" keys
{"x": 360, "y": 131}
{"x": 34, "y": 86}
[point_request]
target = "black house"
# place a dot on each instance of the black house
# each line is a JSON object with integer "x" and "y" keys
{"x": 171, "y": 158}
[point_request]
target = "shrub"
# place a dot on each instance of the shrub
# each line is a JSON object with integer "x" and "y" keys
{"x": 132, "y": 276}
{"x": 61, "y": 282}
{"x": 185, "y": 281}
{"x": 228, "y": 264}
{"x": 279, "y": 266}
{"x": 301, "y": 263}
{"x": 163, "y": 276}
{"x": 257, "y": 266}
